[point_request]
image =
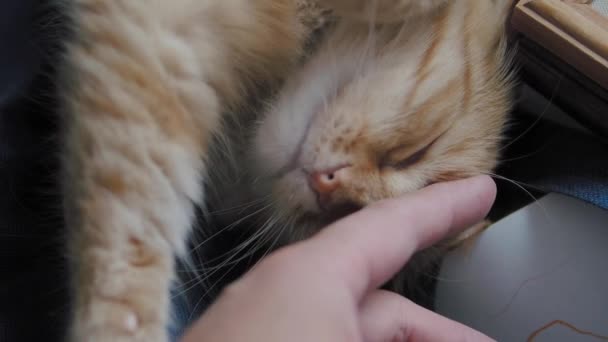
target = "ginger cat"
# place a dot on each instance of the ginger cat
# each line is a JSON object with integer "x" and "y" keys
{"x": 378, "y": 111}
{"x": 145, "y": 85}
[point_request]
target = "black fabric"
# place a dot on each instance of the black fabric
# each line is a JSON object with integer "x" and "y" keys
{"x": 32, "y": 277}
{"x": 549, "y": 157}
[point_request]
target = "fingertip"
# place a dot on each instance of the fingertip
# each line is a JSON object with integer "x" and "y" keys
{"x": 481, "y": 184}
{"x": 485, "y": 190}
{"x": 478, "y": 193}
{"x": 486, "y": 186}
{"x": 371, "y": 245}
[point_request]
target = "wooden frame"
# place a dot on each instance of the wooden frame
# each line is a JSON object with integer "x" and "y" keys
{"x": 569, "y": 29}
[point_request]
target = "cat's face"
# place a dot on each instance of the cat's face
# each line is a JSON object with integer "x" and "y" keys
{"x": 343, "y": 135}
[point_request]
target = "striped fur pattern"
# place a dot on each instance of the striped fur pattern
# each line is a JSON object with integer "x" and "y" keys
{"x": 144, "y": 86}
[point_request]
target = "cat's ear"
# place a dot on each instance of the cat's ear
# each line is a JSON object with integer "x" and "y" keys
{"x": 384, "y": 11}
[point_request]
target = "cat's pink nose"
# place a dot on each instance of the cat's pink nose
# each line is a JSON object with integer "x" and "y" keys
{"x": 325, "y": 182}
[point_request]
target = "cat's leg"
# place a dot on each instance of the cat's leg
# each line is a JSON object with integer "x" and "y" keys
{"x": 384, "y": 11}
{"x": 145, "y": 83}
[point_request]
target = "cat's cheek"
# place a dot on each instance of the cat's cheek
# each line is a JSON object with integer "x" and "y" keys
{"x": 398, "y": 182}
{"x": 268, "y": 157}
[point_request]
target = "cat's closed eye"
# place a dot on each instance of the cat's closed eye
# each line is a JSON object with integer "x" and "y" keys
{"x": 401, "y": 157}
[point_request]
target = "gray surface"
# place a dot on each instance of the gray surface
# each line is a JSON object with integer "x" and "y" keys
{"x": 545, "y": 262}
{"x": 600, "y": 6}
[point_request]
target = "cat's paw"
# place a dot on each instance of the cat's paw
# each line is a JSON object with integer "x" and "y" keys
{"x": 105, "y": 320}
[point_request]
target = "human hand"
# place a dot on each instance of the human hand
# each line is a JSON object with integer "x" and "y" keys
{"x": 326, "y": 288}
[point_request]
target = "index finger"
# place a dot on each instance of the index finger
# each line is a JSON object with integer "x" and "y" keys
{"x": 369, "y": 247}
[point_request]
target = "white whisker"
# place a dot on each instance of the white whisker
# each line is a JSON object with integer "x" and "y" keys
{"x": 520, "y": 186}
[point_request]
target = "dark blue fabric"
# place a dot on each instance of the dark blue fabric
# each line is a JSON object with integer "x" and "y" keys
{"x": 32, "y": 277}
{"x": 182, "y": 315}
{"x": 19, "y": 59}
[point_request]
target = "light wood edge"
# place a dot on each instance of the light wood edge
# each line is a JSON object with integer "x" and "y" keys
{"x": 570, "y": 20}
{"x": 557, "y": 26}
{"x": 590, "y": 14}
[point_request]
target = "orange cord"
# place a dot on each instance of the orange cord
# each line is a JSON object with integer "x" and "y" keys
{"x": 567, "y": 325}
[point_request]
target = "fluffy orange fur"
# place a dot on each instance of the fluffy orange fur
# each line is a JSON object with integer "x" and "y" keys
{"x": 145, "y": 83}
{"x": 379, "y": 110}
